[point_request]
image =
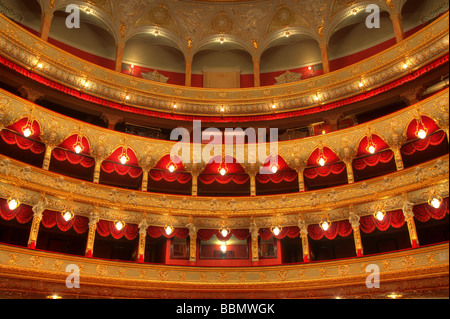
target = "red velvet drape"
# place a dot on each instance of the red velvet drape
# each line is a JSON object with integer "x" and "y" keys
{"x": 278, "y": 177}
{"x": 421, "y": 145}
{"x": 107, "y": 227}
{"x": 341, "y": 228}
{"x": 324, "y": 171}
{"x": 182, "y": 178}
{"x": 206, "y": 234}
{"x": 235, "y": 172}
{"x": 23, "y": 214}
{"x": 51, "y": 219}
{"x": 62, "y": 155}
{"x": 109, "y": 167}
{"x": 373, "y": 160}
{"x": 424, "y": 211}
{"x": 156, "y": 232}
{"x": 24, "y": 143}
{"x": 291, "y": 232}
{"x": 395, "y": 219}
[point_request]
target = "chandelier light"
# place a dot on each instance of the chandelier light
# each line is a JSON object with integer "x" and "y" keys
{"x": 168, "y": 229}
{"x": 78, "y": 146}
{"x": 119, "y": 224}
{"x": 322, "y": 160}
{"x": 274, "y": 168}
{"x": 421, "y": 131}
{"x": 171, "y": 167}
{"x": 28, "y": 130}
{"x": 325, "y": 224}
{"x": 379, "y": 214}
{"x": 224, "y": 230}
{"x": 67, "y": 214}
{"x": 223, "y": 247}
{"x": 13, "y": 202}
{"x": 371, "y": 147}
{"x": 223, "y": 169}
{"x": 435, "y": 201}
{"x": 123, "y": 158}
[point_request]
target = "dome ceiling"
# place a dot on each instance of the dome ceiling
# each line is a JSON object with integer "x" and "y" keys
{"x": 253, "y": 26}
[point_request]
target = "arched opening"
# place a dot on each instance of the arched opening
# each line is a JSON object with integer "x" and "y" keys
{"x": 352, "y": 41}
{"x": 296, "y": 57}
{"x": 155, "y": 58}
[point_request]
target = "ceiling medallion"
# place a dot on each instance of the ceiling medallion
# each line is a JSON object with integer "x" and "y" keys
{"x": 222, "y": 23}
{"x": 160, "y": 15}
{"x": 284, "y": 16}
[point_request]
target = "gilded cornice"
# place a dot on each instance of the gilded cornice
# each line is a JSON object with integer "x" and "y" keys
{"x": 347, "y": 277}
{"x": 418, "y": 50}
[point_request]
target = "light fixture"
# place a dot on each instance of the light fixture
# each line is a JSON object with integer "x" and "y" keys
{"x": 223, "y": 169}
{"x": 354, "y": 11}
{"x": 13, "y": 203}
{"x": 156, "y": 32}
{"x": 274, "y": 168}
{"x": 371, "y": 147}
{"x": 274, "y": 106}
{"x": 175, "y": 106}
{"x": 127, "y": 97}
{"x": 132, "y": 66}
{"x": 222, "y": 109}
{"x": 67, "y": 214}
{"x": 171, "y": 167}
{"x": 361, "y": 84}
{"x": 287, "y": 34}
{"x": 28, "y": 130}
{"x": 40, "y": 65}
{"x": 78, "y": 146}
{"x": 421, "y": 131}
{"x": 435, "y": 201}
{"x": 322, "y": 160}
{"x": 55, "y": 296}
{"x": 394, "y": 295}
{"x": 224, "y": 231}
{"x": 223, "y": 247}
{"x": 325, "y": 224}
{"x": 323, "y": 132}
{"x": 276, "y": 230}
{"x": 123, "y": 158}
{"x": 316, "y": 97}
{"x": 222, "y": 40}
{"x": 379, "y": 214}
{"x": 119, "y": 224}
{"x": 405, "y": 66}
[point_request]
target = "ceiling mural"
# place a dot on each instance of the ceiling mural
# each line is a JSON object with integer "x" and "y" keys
{"x": 251, "y": 24}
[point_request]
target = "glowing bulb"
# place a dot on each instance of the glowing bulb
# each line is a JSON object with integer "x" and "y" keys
{"x": 380, "y": 216}
{"x": 274, "y": 106}
{"x": 274, "y": 169}
{"x": 361, "y": 84}
{"x": 175, "y": 106}
{"x": 27, "y": 132}
{"x": 222, "y": 171}
{"x": 222, "y": 40}
{"x": 78, "y": 149}
{"x": 171, "y": 168}
{"x": 316, "y": 98}
{"x": 276, "y": 231}
{"x": 123, "y": 159}
{"x": 86, "y": 84}
{"x": 323, "y": 132}
{"x": 168, "y": 230}
{"x": 422, "y": 134}
{"x": 325, "y": 226}
{"x": 309, "y": 68}
{"x": 435, "y": 202}
{"x": 40, "y": 65}
{"x": 119, "y": 225}
{"x": 287, "y": 34}
{"x": 321, "y": 161}
{"x": 224, "y": 232}
{"x": 405, "y": 66}
{"x": 67, "y": 216}
{"x": 127, "y": 97}
{"x": 132, "y": 66}
{"x": 372, "y": 149}
{"x": 223, "y": 248}
{"x": 222, "y": 109}
{"x": 354, "y": 11}
{"x": 13, "y": 204}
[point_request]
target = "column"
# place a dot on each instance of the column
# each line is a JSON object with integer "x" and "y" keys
{"x": 193, "y": 240}
{"x": 194, "y": 183}
{"x": 111, "y": 120}
{"x": 325, "y": 60}
{"x": 119, "y": 56}
{"x": 188, "y": 74}
{"x": 46, "y": 21}
{"x": 305, "y": 242}
{"x": 398, "y": 26}
{"x": 301, "y": 179}
{"x": 142, "y": 236}
{"x": 38, "y": 210}
{"x": 254, "y": 232}
{"x": 256, "y": 71}
{"x": 253, "y": 184}
{"x": 409, "y": 218}
{"x": 93, "y": 220}
{"x": 350, "y": 175}
{"x": 354, "y": 221}
{"x": 144, "y": 183}
{"x": 47, "y": 157}
{"x": 98, "y": 165}
{"x": 398, "y": 158}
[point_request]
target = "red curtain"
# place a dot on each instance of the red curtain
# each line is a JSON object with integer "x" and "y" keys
{"x": 23, "y": 214}
{"x": 395, "y": 219}
{"x": 323, "y": 171}
{"x": 291, "y": 232}
{"x": 109, "y": 167}
{"x": 380, "y": 145}
{"x": 211, "y": 178}
{"x": 372, "y": 160}
{"x": 107, "y": 227}
{"x": 421, "y": 145}
{"x": 427, "y": 122}
{"x": 225, "y": 119}
{"x": 424, "y": 211}
{"x": 156, "y": 232}
{"x": 24, "y": 143}
{"x": 51, "y": 218}
{"x": 278, "y": 177}
{"x": 341, "y": 228}
{"x": 207, "y": 234}
{"x": 234, "y": 174}
{"x": 62, "y": 155}
{"x": 182, "y": 178}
